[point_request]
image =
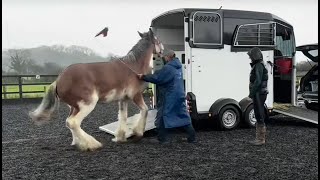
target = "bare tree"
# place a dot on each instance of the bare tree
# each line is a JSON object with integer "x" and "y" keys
{"x": 52, "y": 68}
{"x": 111, "y": 56}
{"x": 19, "y": 60}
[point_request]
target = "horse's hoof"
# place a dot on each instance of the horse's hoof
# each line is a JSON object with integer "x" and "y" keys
{"x": 95, "y": 148}
{"x": 92, "y": 147}
{"x": 137, "y": 138}
{"x": 118, "y": 140}
{"x": 137, "y": 133}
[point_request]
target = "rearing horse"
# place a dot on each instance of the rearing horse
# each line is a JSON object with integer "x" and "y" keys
{"x": 81, "y": 86}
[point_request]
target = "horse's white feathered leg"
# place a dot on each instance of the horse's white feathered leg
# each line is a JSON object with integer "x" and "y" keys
{"x": 139, "y": 128}
{"x": 120, "y": 134}
{"x": 80, "y": 138}
{"x": 72, "y": 112}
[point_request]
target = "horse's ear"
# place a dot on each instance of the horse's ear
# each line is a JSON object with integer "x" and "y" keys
{"x": 151, "y": 35}
{"x": 151, "y": 32}
{"x": 140, "y": 34}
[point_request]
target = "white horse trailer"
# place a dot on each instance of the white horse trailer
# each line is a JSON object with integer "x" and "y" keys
{"x": 213, "y": 44}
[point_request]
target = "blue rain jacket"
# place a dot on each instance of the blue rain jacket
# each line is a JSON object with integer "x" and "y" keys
{"x": 172, "y": 103}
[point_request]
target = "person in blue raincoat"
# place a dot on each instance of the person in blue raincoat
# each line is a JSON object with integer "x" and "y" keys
{"x": 172, "y": 110}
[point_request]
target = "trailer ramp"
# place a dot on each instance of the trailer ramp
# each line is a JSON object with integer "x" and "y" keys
{"x": 112, "y": 127}
{"x": 296, "y": 112}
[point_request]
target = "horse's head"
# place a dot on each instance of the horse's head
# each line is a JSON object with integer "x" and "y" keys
{"x": 158, "y": 46}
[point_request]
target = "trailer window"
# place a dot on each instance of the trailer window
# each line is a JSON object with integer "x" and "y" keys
{"x": 207, "y": 28}
{"x": 261, "y": 34}
{"x": 285, "y": 42}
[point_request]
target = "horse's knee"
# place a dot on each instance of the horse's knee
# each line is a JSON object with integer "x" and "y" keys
{"x": 145, "y": 107}
{"x": 144, "y": 110}
{"x": 122, "y": 115}
{"x": 71, "y": 123}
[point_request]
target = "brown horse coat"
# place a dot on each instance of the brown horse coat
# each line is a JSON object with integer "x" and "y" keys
{"x": 81, "y": 86}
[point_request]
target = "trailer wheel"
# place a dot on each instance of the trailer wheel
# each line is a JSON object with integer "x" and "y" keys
{"x": 229, "y": 117}
{"x": 249, "y": 117}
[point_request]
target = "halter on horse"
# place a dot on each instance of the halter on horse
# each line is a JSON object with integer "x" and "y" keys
{"x": 81, "y": 86}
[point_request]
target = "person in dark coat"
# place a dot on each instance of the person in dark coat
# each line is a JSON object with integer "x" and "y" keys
{"x": 172, "y": 110}
{"x": 258, "y": 92}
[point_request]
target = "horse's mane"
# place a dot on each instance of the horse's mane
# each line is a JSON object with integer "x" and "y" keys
{"x": 138, "y": 50}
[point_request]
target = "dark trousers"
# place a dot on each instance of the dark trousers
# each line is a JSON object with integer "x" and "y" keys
{"x": 163, "y": 132}
{"x": 258, "y": 107}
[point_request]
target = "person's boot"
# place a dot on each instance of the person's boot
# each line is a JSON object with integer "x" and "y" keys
{"x": 260, "y": 136}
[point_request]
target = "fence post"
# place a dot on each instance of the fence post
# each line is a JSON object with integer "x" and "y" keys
{"x": 20, "y": 86}
{"x": 4, "y": 91}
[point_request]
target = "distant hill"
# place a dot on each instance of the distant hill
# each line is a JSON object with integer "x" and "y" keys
{"x": 62, "y": 55}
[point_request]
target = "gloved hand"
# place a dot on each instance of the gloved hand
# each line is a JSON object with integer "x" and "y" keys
{"x": 140, "y": 76}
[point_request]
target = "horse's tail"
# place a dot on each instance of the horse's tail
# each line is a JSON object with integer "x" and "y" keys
{"x": 46, "y": 108}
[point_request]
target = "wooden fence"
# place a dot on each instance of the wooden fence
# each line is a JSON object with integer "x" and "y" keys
{"x": 31, "y": 80}
{"x": 24, "y": 80}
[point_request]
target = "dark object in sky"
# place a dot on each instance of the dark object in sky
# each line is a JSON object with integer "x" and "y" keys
{"x": 104, "y": 32}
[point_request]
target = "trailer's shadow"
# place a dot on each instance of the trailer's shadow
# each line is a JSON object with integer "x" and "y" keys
{"x": 210, "y": 125}
{"x": 277, "y": 120}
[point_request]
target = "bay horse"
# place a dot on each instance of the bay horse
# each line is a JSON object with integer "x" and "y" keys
{"x": 81, "y": 86}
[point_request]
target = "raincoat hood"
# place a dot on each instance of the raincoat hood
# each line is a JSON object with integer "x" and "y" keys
{"x": 175, "y": 63}
{"x": 255, "y": 54}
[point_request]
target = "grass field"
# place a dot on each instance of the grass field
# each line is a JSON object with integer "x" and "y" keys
{"x": 26, "y": 88}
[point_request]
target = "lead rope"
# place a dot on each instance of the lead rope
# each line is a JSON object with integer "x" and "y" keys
{"x": 129, "y": 67}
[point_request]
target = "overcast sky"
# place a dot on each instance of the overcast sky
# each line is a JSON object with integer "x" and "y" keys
{"x": 32, "y": 23}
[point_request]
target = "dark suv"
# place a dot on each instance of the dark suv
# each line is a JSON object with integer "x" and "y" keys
{"x": 308, "y": 86}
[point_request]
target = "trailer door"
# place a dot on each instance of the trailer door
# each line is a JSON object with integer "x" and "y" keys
{"x": 205, "y": 32}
